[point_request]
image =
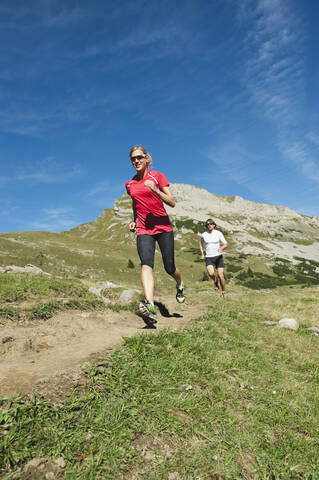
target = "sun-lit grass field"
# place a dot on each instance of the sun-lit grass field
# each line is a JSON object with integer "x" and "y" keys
{"x": 227, "y": 398}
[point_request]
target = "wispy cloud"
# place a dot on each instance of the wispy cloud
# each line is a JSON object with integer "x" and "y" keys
{"x": 275, "y": 69}
{"x": 25, "y": 123}
{"x": 313, "y": 138}
{"x": 55, "y": 212}
{"x": 103, "y": 193}
{"x": 64, "y": 17}
{"x": 275, "y": 77}
{"x": 54, "y": 219}
{"x": 142, "y": 37}
{"x": 40, "y": 15}
{"x": 4, "y": 213}
{"x": 299, "y": 154}
{"x": 235, "y": 162}
{"x": 45, "y": 171}
{"x": 53, "y": 226}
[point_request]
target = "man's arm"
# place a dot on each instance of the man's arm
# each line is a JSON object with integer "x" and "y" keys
{"x": 201, "y": 242}
{"x": 225, "y": 244}
{"x": 223, "y": 247}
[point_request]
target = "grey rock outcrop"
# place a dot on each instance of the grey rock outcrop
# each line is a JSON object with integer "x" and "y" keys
{"x": 26, "y": 269}
{"x": 128, "y": 296}
{"x": 290, "y": 323}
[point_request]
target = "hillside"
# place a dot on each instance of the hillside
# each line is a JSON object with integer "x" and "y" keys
{"x": 269, "y": 245}
{"x": 216, "y": 390}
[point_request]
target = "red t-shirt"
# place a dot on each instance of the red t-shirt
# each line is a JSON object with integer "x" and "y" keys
{"x": 151, "y": 214}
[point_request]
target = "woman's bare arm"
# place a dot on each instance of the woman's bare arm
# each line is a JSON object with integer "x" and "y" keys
{"x": 165, "y": 195}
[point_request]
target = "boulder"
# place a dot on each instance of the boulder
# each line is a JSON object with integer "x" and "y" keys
{"x": 26, "y": 269}
{"x": 128, "y": 296}
{"x": 313, "y": 329}
{"x": 95, "y": 291}
{"x": 290, "y": 323}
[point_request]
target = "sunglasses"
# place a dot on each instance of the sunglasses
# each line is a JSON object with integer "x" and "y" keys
{"x": 138, "y": 157}
{"x": 210, "y": 223}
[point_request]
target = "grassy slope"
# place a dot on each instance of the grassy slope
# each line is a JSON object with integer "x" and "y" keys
{"x": 227, "y": 398}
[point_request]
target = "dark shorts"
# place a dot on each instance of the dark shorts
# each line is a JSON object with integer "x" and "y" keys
{"x": 217, "y": 262}
{"x": 146, "y": 249}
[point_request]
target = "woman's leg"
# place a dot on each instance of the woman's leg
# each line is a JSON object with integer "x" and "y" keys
{"x": 146, "y": 251}
{"x": 177, "y": 276}
{"x": 166, "y": 244}
{"x": 147, "y": 280}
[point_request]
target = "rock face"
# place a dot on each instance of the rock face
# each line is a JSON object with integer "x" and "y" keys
{"x": 27, "y": 269}
{"x": 255, "y": 228}
{"x": 278, "y": 236}
{"x": 290, "y": 323}
{"x": 128, "y": 296}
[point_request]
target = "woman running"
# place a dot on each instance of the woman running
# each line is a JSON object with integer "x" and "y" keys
{"x": 149, "y": 190}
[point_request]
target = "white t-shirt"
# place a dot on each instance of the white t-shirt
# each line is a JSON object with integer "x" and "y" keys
{"x": 212, "y": 242}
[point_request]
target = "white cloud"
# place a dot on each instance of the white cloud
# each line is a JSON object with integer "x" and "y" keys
{"x": 103, "y": 193}
{"x": 45, "y": 171}
{"x": 313, "y": 138}
{"x": 53, "y": 226}
{"x": 235, "y": 162}
{"x": 275, "y": 68}
{"x": 299, "y": 154}
{"x": 64, "y": 17}
{"x": 4, "y": 213}
{"x": 275, "y": 76}
{"x": 142, "y": 37}
{"x": 54, "y": 219}
{"x": 55, "y": 212}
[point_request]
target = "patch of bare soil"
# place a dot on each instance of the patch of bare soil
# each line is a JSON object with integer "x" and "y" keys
{"x": 47, "y": 357}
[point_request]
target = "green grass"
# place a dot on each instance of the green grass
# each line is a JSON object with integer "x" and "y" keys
{"x": 50, "y": 295}
{"x": 227, "y": 398}
{"x": 15, "y": 288}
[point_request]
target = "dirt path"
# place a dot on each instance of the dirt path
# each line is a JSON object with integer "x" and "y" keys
{"x": 47, "y": 357}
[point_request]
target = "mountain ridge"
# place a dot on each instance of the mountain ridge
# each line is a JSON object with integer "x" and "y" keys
{"x": 259, "y": 236}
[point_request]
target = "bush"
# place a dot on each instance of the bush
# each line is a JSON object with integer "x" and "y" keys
{"x": 130, "y": 264}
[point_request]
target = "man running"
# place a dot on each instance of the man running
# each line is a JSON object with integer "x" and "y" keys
{"x": 210, "y": 247}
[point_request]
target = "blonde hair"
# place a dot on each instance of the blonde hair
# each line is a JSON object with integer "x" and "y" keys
{"x": 147, "y": 155}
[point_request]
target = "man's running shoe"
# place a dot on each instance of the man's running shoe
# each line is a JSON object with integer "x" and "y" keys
{"x": 223, "y": 294}
{"x": 147, "y": 311}
{"x": 180, "y": 295}
{"x": 216, "y": 286}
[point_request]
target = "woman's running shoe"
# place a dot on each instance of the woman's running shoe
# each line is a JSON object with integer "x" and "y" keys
{"x": 147, "y": 311}
{"x": 180, "y": 295}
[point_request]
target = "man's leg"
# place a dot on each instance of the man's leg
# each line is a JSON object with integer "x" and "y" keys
{"x": 211, "y": 273}
{"x": 221, "y": 277}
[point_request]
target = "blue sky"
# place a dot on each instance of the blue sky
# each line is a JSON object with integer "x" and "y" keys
{"x": 224, "y": 94}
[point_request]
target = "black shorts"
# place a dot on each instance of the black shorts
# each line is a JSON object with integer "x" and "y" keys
{"x": 217, "y": 262}
{"x": 146, "y": 249}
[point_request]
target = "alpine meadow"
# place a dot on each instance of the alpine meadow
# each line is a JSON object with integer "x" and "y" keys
{"x": 217, "y": 391}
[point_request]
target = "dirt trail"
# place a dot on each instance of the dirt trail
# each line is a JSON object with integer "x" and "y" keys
{"x": 47, "y": 357}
